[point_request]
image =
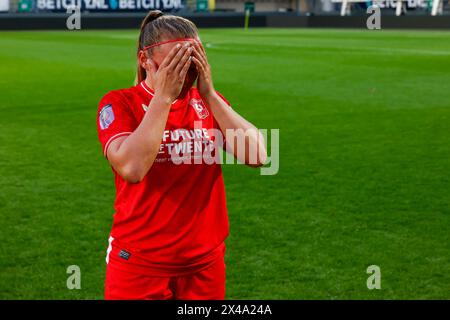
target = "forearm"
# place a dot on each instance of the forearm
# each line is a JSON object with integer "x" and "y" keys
{"x": 237, "y": 129}
{"x": 136, "y": 154}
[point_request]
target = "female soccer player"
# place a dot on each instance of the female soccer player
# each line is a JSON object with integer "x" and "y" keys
{"x": 170, "y": 222}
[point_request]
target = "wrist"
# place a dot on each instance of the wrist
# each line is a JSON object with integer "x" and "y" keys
{"x": 163, "y": 99}
{"x": 210, "y": 95}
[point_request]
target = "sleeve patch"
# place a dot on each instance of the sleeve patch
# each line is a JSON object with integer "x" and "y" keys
{"x": 106, "y": 116}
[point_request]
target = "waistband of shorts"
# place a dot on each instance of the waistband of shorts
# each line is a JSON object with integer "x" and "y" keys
{"x": 121, "y": 258}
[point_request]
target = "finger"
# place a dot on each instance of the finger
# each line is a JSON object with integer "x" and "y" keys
{"x": 200, "y": 57}
{"x": 199, "y": 66}
{"x": 198, "y": 47}
{"x": 185, "y": 69}
{"x": 171, "y": 55}
{"x": 183, "y": 60}
{"x": 201, "y": 51}
{"x": 178, "y": 57}
{"x": 203, "y": 48}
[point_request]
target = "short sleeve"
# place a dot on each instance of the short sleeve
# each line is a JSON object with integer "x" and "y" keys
{"x": 114, "y": 119}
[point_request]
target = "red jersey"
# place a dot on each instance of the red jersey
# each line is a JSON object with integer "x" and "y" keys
{"x": 175, "y": 220}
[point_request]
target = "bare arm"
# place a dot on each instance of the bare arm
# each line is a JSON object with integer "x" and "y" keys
{"x": 133, "y": 156}
{"x": 243, "y": 139}
{"x": 237, "y": 130}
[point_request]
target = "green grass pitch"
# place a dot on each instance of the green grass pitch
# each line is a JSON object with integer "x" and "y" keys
{"x": 364, "y": 121}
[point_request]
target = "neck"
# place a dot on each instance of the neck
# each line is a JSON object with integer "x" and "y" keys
{"x": 149, "y": 82}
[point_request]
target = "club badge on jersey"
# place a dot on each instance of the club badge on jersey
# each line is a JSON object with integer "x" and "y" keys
{"x": 199, "y": 108}
{"x": 106, "y": 116}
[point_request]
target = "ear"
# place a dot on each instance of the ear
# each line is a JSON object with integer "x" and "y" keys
{"x": 143, "y": 58}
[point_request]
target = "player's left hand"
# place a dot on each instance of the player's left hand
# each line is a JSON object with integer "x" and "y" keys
{"x": 204, "y": 82}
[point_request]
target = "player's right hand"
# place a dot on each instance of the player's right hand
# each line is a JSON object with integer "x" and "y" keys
{"x": 169, "y": 78}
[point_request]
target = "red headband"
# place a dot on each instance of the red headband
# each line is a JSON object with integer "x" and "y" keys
{"x": 168, "y": 41}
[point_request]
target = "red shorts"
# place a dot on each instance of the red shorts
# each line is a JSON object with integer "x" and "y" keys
{"x": 207, "y": 284}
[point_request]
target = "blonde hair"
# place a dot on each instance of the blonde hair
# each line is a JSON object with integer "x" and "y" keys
{"x": 157, "y": 26}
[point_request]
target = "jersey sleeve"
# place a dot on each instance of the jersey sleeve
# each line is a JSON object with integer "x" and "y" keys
{"x": 114, "y": 119}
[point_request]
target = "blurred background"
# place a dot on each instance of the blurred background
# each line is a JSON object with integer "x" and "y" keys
{"x": 298, "y": 6}
{"x": 49, "y": 14}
